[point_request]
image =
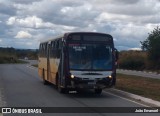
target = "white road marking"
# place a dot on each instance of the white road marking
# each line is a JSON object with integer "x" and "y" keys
{"x": 31, "y": 67}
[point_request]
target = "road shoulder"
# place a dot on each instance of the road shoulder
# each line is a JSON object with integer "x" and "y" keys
{"x": 136, "y": 98}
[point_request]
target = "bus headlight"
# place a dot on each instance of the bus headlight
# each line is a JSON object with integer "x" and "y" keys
{"x": 110, "y": 76}
{"x": 72, "y": 76}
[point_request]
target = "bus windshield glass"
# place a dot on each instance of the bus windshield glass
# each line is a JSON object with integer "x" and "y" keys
{"x": 90, "y": 57}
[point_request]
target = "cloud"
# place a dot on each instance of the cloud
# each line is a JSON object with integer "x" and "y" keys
{"x": 25, "y": 1}
{"x": 29, "y": 43}
{"x": 32, "y": 22}
{"x": 7, "y": 9}
{"x": 68, "y": 12}
{"x": 124, "y": 1}
{"x": 137, "y": 49}
{"x": 0, "y": 40}
{"x": 149, "y": 8}
{"x": 128, "y": 21}
{"x": 23, "y": 35}
{"x": 11, "y": 21}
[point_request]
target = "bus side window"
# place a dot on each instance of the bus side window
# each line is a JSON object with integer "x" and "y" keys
{"x": 40, "y": 50}
{"x": 59, "y": 48}
{"x": 48, "y": 48}
{"x": 45, "y": 51}
{"x": 51, "y": 49}
{"x": 57, "y": 44}
{"x": 60, "y": 44}
{"x": 54, "y": 49}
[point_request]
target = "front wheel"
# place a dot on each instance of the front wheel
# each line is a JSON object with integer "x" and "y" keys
{"x": 43, "y": 77}
{"x": 98, "y": 91}
{"x": 62, "y": 90}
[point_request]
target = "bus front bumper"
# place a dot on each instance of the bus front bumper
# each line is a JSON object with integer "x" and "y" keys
{"x": 91, "y": 84}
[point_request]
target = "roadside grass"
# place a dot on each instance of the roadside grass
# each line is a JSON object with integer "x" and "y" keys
{"x": 10, "y": 59}
{"x": 146, "y": 87}
{"x": 21, "y": 61}
{"x": 35, "y": 65}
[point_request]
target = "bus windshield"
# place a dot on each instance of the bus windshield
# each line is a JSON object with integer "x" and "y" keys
{"x": 90, "y": 57}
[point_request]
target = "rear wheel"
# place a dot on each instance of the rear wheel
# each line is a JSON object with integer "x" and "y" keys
{"x": 98, "y": 91}
{"x": 56, "y": 82}
{"x": 43, "y": 77}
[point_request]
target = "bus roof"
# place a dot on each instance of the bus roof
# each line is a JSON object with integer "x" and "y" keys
{"x": 66, "y": 34}
{"x": 50, "y": 39}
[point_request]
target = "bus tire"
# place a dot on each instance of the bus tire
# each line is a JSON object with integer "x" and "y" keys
{"x": 60, "y": 89}
{"x": 98, "y": 91}
{"x": 43, "y": 77}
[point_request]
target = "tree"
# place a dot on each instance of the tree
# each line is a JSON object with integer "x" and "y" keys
{"x": 152, "y": 46}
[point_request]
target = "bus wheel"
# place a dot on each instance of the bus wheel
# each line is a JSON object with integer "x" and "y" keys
{"x": 56, "y": 82}
{"x": 98, "y": 91}
{"x": 60, "y": 89}
{"x": 43, "y": 77}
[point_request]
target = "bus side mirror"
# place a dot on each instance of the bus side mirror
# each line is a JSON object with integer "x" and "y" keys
{"x": 116, "y": 54}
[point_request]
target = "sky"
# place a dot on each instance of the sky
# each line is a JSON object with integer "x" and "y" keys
{"x": 24, "y": 23}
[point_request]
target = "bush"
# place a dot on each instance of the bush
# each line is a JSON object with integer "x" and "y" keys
{"x": 11, "y": 55}
{"x": 134, "y": 60}
{"x": 152, "y": 46}
{"x": 8, "y": 59}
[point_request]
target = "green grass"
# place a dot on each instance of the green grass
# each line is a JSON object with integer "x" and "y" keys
{"x": 146, "y": 87}
{"x": 21, "y": 61}
{"x": 35, "y": 65}
{"x": 6, "y": 59}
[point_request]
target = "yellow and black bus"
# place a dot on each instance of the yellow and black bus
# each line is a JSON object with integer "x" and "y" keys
{"x": 76, "y": 60}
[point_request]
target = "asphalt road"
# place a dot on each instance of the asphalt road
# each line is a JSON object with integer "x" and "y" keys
{"x": 20, "y": 86}
{"x": 139, "y": 73}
